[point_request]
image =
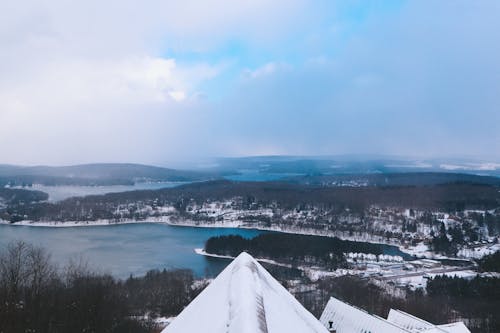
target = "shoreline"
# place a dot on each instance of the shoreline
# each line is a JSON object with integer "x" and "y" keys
{"x": 202, "y": 252}
{"x": 420, "y": 251}
{"x": 314, "y": 273}
{"x": 168, "y": 221}
{"x": 74, "y": 224}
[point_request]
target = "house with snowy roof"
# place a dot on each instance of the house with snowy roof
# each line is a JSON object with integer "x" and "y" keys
{"x": 340, "y": 317}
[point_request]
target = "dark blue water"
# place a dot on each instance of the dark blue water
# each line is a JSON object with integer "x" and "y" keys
{"x": 128, "y": 248}
{"x": 395, "y": 251}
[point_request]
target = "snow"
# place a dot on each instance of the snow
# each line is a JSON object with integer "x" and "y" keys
{"x": 349, "y": 319}
{"x": 465, "y": 274}
{"x": 372, "y": 258}
{"x": 313, "y": 273}
{"x": 163, "y": 321}
{"x": 227, "y": 217}
{"x": 206, "y": 254}
{"x": 480, "y": 251}
{"x": 419, "y": 279}
{"x": 346, "y": 318}
{"x": 419, "y": 250}
{"x": 245, "y": 298}
{"x": 408, "y": 321}
{"x": 415, "y": 324}
{"x": 471, "y": 166}
{"x": 451, "y": 328}
{"x": 103, "y": 222}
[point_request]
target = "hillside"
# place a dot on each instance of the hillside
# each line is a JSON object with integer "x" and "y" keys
{"x": 95, "y": 174}
{"x": 395, "y": 179}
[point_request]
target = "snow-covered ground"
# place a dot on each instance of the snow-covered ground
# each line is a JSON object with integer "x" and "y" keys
{"x": 70, "y": 224}
{"x": 420, "y": 281}
{"x": 384, "y": 225}
{"x": 419, "y": 250}
{"x": 387, "y": 268}
{"x": 479, "y": 251}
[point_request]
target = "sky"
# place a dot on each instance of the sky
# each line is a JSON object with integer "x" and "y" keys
{"x": 160, "y": 81}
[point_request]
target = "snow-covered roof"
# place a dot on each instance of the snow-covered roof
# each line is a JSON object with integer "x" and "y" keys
{"x": 245, "y": 298}
{"x": 346, "y": 318}
{"x": 457, "y": 327}
{"x": 416, "y": 324}
{"x": 408, "y": 321}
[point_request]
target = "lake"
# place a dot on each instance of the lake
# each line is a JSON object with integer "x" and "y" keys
{"x": 134, "y": 248}
{"x": 61, "y": 192}
{"x": 127, "y": 248}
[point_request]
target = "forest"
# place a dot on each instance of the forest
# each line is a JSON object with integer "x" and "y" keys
{"x": 97, "y": 174}
{"x": 15, "y": 197}
{"x": 445, "y": 300}
{"x": 286, "y": 196}
{"x": 37, "y": 296}
{"x": 477, "y": 299}
{"x": 327, "y": 252}
{"x": 490, "y": 263}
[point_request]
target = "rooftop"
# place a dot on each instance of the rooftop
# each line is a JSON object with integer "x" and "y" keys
{"x": 341, "y": 317}
{"x": 245, "y": 298}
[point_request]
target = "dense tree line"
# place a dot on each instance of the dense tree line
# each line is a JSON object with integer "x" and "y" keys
{"x": 490, "y": 263}
{"x": 281, "y": 195}
{"x": 36, "y": 296}
{"x": 95, "y": 174}
{"x": 30, "y": 180}
{"x": 14, "y": 196}
{"x": 397, "y": 179}
{"x": 477, "y": 299}
{"x": 377, "y": 300}
{"x": 325, "y": 251}
{"x": 484, "y": 288}
{"x": 447, "y": 300}
{"x": 161, "y": 293}
{"x": 442, "y": 244}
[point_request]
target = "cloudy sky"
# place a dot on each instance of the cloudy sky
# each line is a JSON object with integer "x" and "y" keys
{"x": 158, "y": 81}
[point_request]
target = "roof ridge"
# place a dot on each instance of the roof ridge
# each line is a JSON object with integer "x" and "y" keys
{"x": 371, "y": 314}
{"x": 414, "y": 317}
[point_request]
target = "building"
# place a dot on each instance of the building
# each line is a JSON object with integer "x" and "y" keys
{"x": 340, "y": 317}
{"x": 245, "y": 298}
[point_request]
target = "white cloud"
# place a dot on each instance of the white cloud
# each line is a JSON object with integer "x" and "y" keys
{"x": 131, "y": 81}
{"x": 79, "y": 77}
{"x": 92, "y": 80}
{"x": 266, "y": 69}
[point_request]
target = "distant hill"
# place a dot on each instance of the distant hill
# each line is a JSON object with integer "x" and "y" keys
{"x": 96, "y": 174}
{"x": 395, "y": 179}
{"x": 352, "y": 164}
{"x": 10, "y": 196}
